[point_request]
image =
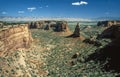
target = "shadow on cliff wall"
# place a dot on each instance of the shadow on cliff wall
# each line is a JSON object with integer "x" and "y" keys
{"x": 108, "y": 56}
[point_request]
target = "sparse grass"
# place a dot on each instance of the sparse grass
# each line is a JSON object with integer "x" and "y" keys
{"x": 59, "y": 62}
{"x": 56, "y": 52}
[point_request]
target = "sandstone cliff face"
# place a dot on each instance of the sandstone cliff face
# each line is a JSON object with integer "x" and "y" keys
{"x": 108, "y": 23}
{"x": 14, "y": 37}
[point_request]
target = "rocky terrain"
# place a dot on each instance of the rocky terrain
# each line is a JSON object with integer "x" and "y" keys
{"x": 14, "y": 38}
{"x": 57, "y": 26}
{"x": 37, "y": 25}
{"x": 111, "y": 32}
{"x": 108, "y": 23}
{"x": 111, "y": 50}
{"x": 53, "y": 54}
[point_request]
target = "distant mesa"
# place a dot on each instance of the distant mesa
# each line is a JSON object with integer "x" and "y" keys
{"x": 57, "y": 26}
{"x": 61, "y": 26}
{"x": 36, "y": 25}
{"x": 108, "y": 23}
{"x": 50, "y": 25}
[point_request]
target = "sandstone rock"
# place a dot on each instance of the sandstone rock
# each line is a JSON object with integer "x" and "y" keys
{"x": 108, "y": 23}
{"x": 61, "y": 27}
{"x": 36, "y": 25}
{"x": 48, "y": 26}
{"x": 15, "y": 37}
{"x": 1, "y": 25}
{"x": 76, "y": 32}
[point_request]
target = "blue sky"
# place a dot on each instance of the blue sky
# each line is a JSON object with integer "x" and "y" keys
{"x": 60, "y": 8}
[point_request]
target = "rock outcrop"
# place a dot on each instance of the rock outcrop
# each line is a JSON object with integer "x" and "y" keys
{"x": 14, "y": 38}
{"x": 94, "y": 42}
{"x": 110, "y": 52}
{"x": 48, "y": 27}
{"x": 76, "y": 32}
{"x": 36, "y": 25}
{"x": 61, "y": 26}
{"x": 111, "y": 32}
{"x": 108, "y": 23}
{"x": 1, "y": 25}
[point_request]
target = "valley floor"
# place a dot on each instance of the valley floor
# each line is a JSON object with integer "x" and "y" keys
{"x": 52, "y": 55}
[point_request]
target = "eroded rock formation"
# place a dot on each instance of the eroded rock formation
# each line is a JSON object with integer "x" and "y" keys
{"x": 1, "y": 25}
{"x": 48, "y": 26}
{"x": 61, "y": 26}
{"x": 76, "y": 32}
{"x": 14, "y": 37}
{"x": 108, "y": 23}
{"x": 36, "y": 25}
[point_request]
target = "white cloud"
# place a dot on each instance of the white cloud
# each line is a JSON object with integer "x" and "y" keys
{"x": 80, "y": 3}
{"x": 4, "y": 12}
{"x": 31, "y": 8}
{"x": 21, "y": 12}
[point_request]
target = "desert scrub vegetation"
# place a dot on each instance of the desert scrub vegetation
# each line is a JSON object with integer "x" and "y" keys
{"x": 51, "y": 55}
{"x": 59, "y": 61}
